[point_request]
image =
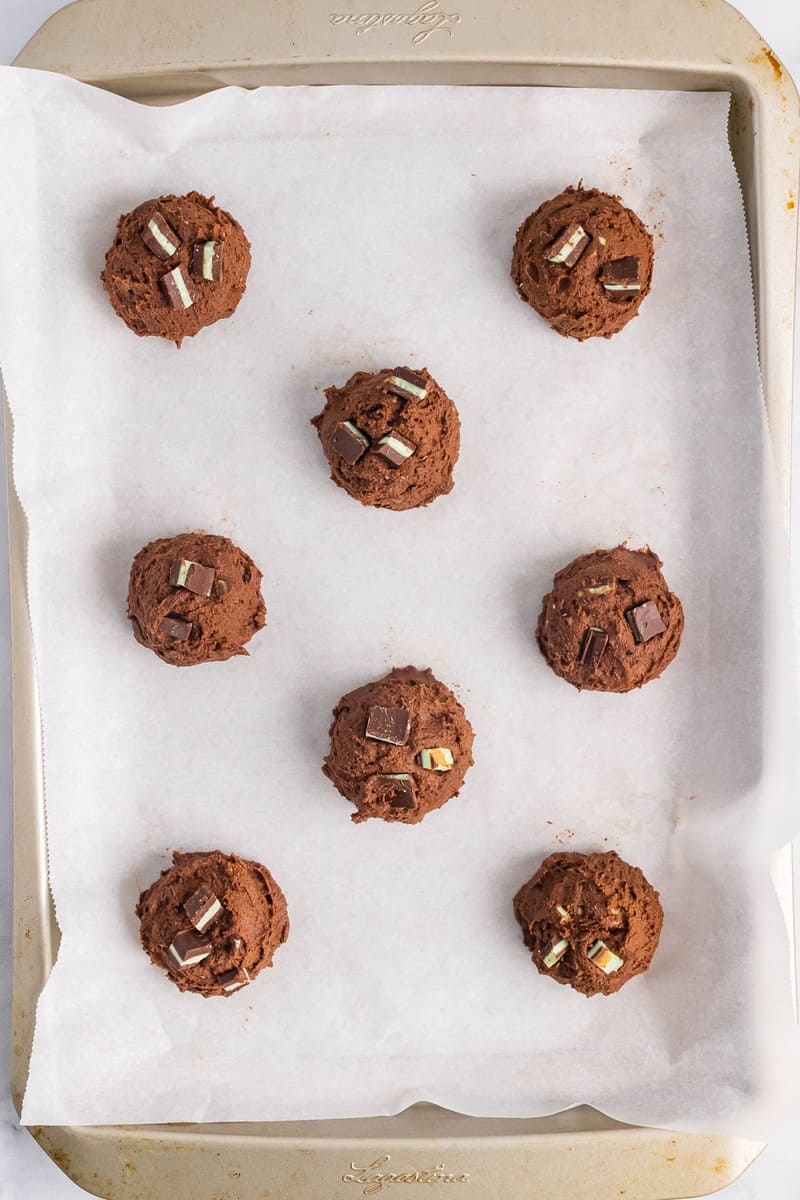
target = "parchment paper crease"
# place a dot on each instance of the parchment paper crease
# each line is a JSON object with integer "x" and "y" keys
{"x": 382, "y": 221}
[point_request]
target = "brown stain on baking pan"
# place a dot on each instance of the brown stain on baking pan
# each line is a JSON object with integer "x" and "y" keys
{"x": 765, "y": 55}
{"x": 774, "y": 62}
{"x": 62, "y": 1161}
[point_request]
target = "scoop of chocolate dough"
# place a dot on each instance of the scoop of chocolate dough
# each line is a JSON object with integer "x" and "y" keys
{"x": 589, "y": 920}
{"x": 584, "y": 262}
{"x": 391, "y": 438}
{"x": 400, "y": 747}
{"x": 212, "y": 921}
{"x": 178, "y": 263}
{"x": 194, "y": 598}
{"x": 610, "y": 623}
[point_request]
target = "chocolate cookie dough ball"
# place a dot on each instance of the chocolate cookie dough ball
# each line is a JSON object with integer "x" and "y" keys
{"x": 610, "y": 623}
{"x": 213, "y": 921}
{"x": 195, "y": 598}
{"x": 589, "y": 920}
{"x": 391, "y": 438}
{"x": 400, "y": 747}
{"x": 584, "y": 262}
{"x": 178, "y": 263}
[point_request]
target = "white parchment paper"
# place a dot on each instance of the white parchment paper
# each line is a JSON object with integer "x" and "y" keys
{"x": 382, "y": 222}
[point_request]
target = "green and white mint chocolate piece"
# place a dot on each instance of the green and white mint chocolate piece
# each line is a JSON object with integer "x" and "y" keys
{"x": 158, "y": 230}
{"x": 565, "y": 247}
{"x": 602, "y": 957}
{"x": 356, "y": 432}
{"x": 438, "y": 759}
{"x": 398, "y": 446}
{"x": 182, "y": 574}
{"x": 556, "y": 953}
{"x": 406, "y": 385}
{"x": 208, "y": 259}
{"x": 177, "y": 289}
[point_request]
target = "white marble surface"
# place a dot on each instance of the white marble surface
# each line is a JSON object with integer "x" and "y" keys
{"x": 25, "y": 1172}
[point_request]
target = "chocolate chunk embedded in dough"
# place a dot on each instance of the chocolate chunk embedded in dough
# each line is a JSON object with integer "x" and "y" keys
{"x": 159, "y": 238}
{"x": 386, "y": 724}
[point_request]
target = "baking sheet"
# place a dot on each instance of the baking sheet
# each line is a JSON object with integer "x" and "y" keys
{"x": 382, "y": 222}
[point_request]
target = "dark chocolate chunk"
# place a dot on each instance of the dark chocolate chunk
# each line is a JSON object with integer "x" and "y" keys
{"x": 645, "y": 621}
{"x": 394, "y": 449}
{"x": 621, "y": 278}
{"x": 568, "y": 246}
{"x": 192, "y": 576}
{"x": 188, "y": 948}
{"x": 159, "y": 237}
{"x": 231, "y": 980}
{"x": 388, "y": 725}
{"x": 177, "y": 288}
{"x": 593, "y": 647}
{"x": 202, "y": 908}
{"x": 405, "y": 383}
{"x": 349, "y": 442}
{"x": 175, "y": 627}
{"x": 207, "y": 260}
{"x": 401, "y": 789}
